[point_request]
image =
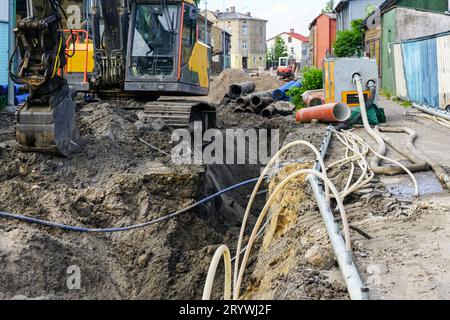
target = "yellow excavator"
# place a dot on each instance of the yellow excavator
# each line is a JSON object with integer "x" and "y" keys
{"x": 143, "y": 49}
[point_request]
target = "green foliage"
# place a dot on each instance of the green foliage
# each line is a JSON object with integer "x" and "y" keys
{"x": 370, "y": 9}
{"x": 329, "y": 7}
{"x": 350, "y": 43}
{"x": 3, "y": 102}
{"x": 277, "y": 51}
{"x": 406, "y": 104}
{"x": 312, "y": 80}
{"x": 386, "y": 94}
{"x": 296, "y": 97}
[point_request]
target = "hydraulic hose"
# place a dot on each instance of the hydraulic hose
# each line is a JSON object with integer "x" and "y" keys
{"x": 129, "y": 228}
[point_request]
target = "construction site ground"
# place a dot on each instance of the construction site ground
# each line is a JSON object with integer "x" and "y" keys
{"x": 117, "y": 180}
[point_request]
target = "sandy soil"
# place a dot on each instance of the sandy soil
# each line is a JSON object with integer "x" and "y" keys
{"x": 409, "y": 253}
{"x": 118, "y": 181}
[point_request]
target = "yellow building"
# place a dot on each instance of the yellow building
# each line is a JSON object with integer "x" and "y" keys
{"x": 248, "y": 37}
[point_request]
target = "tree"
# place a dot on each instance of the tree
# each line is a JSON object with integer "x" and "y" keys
{"x": 329, "y": 7}
{"x": 279, "y": 49}
{"x": 370, "y": 9}
{"x": 270, "y": 54}
{"x": 350, "y": 43}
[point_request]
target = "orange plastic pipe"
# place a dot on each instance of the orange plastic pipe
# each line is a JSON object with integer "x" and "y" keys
{"x": 313, "y": 98}
{"x": 333, "y": 112}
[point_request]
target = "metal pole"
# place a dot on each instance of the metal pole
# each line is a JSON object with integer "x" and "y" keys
{"x": 206, "y": 21}
{"x": 435, "y": 112}
{"x": 30, "y": 12}
{"x": 11, "y": 25}
{"x": 355, "y": 286}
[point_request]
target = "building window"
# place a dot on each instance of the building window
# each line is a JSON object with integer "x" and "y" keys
{"x": 290, "y": 40}
{"x": 245, "y": 30}
{"x": 244, "y": 45}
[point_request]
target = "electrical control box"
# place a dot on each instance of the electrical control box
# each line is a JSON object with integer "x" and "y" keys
{"x": 338, "y": 79}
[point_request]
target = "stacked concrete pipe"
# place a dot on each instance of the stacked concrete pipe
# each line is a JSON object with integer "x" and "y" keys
{"x": 240, "y": 89}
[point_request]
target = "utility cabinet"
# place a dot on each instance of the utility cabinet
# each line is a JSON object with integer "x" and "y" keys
{"x": 338, "y": 79}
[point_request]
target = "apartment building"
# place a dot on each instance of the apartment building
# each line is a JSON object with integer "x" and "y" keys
{"x": 322, "y": 38}
{"x": 248, "y": 37}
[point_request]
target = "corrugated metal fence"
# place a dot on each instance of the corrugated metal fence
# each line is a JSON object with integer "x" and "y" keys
{"x": 422, "y": 70}
{"x": 3, "y": 52}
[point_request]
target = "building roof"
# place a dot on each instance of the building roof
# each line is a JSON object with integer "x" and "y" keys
{"x": 295, "y": 35}
{"x": 341, "y": 5}
{"x": 201, "y": 17}
{"x": 330, "y": 15}
{"x": 234, "y": 15}
{"x": 386, "y": 5}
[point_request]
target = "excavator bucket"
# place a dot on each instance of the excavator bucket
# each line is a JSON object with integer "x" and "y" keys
{"x": 49, "y": 127}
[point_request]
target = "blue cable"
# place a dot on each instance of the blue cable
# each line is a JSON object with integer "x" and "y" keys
{"x": 129, "y": 228}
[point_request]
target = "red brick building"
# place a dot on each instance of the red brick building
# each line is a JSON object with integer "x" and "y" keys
{"x": 322, "y": 38}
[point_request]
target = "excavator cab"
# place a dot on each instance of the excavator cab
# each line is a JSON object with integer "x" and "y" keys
{"x": 165, "y": 56}
{"x": 149, "y": 49}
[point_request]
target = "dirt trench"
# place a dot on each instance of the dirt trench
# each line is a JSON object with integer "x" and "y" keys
{"x": 115, "y": 181}
{"x": 119, "y": 181}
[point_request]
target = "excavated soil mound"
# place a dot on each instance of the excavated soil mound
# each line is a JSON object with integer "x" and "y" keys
{"x": 115, "y": 181}
{"x": 220, "y": 85}
{"x": 119, "y": 181}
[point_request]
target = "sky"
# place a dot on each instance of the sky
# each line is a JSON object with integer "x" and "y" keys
{"x": 282, "y": 15}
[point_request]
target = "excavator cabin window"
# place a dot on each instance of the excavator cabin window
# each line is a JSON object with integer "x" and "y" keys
{"x": 189, "y": 36}
{"x": 154, "y": 41}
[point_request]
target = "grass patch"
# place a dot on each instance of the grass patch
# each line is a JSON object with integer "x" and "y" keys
{"x": 406, "y": 104}
{"x": 386, "y": 94}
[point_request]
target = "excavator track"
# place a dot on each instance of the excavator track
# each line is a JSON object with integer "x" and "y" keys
{"x": 180, "y": 114}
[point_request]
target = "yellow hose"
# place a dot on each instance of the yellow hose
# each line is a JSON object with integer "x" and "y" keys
{"x": 258, "y": 185}
{"x": 57, "y": 62}
{"x": 263, "y": 214}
